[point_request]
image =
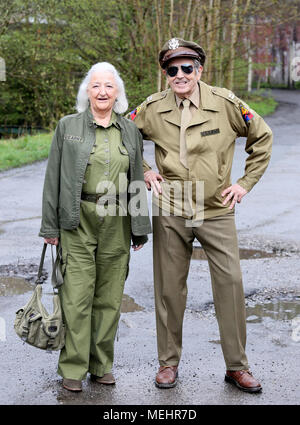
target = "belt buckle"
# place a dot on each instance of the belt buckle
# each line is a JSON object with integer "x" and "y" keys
{"x": 98, "y": 196}
{"x": 102, "y": 203}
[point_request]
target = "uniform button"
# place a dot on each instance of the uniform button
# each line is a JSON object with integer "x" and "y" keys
{"x": 106, "y": 140}
{"x": 106, "y": 173}
{"x": 107, "y": 161}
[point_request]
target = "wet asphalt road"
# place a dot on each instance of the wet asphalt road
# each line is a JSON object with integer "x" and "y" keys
{"x": 268, "y": 219}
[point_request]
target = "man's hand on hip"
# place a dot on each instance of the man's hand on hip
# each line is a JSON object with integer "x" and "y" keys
{"x": 234, "y": 193}
{"x": 152, "y": 180}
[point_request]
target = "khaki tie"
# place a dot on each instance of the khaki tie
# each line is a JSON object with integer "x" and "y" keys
{"x": 185, "y": 120}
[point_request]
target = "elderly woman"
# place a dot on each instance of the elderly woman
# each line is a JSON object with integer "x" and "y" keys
{"x": 95, "y": 146}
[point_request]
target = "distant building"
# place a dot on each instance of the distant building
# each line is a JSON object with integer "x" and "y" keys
{"x": 279, "y": 49}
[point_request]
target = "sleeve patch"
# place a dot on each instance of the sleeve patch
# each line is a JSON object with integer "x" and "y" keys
{"x": 134, "y": 113}
{"x": 246, "y": 114}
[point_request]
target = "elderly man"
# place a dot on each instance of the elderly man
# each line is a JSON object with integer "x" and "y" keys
{"x": 194, "y": 127}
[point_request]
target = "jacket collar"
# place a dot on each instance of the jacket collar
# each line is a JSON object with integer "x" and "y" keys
{"x": 89, "y": 117}
{"x": 194, "y": 98}
{"x": 208, "y": 99}
{"x": 92, "y": 123}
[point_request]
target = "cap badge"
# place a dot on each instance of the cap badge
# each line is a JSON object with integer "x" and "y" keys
{"x": 173, "y": 44}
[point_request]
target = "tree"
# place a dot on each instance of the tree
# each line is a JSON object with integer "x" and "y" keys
{"x": 49, "y": 46}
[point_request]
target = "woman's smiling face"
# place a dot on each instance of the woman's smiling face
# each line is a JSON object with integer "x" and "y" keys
{"x": 102, "y": 91}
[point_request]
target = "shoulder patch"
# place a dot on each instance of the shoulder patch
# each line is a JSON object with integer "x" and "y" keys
{"x": 134, "y": 113}
{"x": 246, "y": 114}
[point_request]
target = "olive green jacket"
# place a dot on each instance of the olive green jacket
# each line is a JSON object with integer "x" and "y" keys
{"x": 71, "y": 146}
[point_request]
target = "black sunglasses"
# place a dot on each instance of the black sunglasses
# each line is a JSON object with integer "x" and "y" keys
{"x": 186, "y": 68}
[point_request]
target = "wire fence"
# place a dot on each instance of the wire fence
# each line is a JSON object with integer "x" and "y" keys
{"x": 9, "y": 131}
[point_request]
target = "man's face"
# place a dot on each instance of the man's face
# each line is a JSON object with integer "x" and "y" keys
{"x": 183, "y": 84}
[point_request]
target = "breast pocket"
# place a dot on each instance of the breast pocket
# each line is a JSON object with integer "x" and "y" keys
{"x": 123, "y": 150}
{"x": 124, "y": 160}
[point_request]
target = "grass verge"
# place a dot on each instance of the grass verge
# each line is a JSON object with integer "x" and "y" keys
{"x": 261, "y": 104}
{"x": 265, "y": 107}
{"x": 24, "y": 150}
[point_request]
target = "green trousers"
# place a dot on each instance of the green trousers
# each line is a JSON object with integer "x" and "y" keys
{"x": 95, "y": 266}
{"x": 172, "y": 250}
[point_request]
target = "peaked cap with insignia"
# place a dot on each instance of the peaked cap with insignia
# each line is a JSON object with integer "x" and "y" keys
{"x": 177, "y": 47}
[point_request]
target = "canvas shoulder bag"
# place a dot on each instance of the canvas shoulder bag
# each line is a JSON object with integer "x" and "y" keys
{"x": 33, "y": 324}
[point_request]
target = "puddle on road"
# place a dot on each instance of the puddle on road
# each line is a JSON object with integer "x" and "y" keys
{"x": 278, "y": 309}
{"x": 12, "y": 285}
{"x": 129, "y": 305}
{"x": 245, "y": 254}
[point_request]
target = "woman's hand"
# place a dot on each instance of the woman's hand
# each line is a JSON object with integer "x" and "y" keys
{"x": 51, "y": 241}
{"x": 137, "y": 247}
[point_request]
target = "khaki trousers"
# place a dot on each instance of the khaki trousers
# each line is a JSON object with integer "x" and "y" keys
{"x": 172, "y": 250}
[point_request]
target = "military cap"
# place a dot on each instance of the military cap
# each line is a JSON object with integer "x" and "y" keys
{"x": 177, "y": 47}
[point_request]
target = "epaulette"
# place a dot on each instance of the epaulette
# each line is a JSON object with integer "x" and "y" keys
{"x": 245, "y": 110}
{"x": 150, "y": 99}
{"x": 156, "y": 96}
{"x": 226, "y": 94}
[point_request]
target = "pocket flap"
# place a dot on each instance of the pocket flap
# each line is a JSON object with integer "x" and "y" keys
{"x": 123, "y": 150}
{"x": 33, "y": 316}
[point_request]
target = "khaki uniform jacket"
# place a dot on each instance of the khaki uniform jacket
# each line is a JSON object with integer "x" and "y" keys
{"x": 210, "y": 140}
{"x": 69, "y": 154}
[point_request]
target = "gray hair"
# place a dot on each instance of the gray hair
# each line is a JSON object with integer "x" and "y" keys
{"x": 121, "y": 104}
{"x": 197, "y": 65}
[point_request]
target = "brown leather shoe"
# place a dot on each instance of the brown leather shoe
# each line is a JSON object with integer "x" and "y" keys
{"x": 106, "y": 379}
{"x": 244, "y": 380}
{"x": 166, "y": 377}
{"x": 72, "y": 385}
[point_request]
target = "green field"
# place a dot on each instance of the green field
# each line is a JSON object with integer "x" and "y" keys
{"x": 263, "y": 106}
{"x": 24, "y": 150}
{"x": 28, "y": 149}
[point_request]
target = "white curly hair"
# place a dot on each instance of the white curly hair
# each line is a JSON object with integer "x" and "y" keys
{"x": 121, "y": 104}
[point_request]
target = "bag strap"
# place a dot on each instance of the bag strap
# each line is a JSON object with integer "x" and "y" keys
{"x": 56, "y": 277}
{"x": 39, "y": 280}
